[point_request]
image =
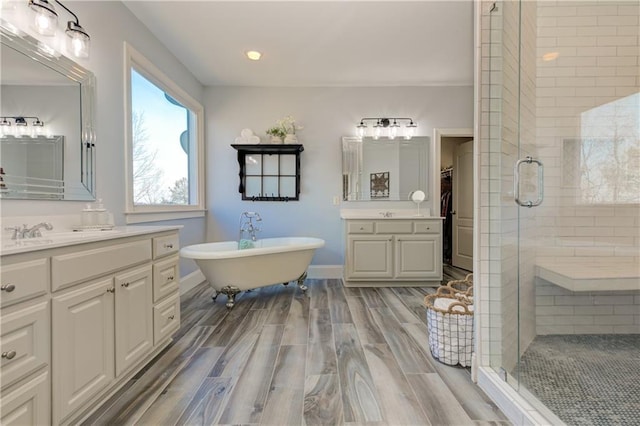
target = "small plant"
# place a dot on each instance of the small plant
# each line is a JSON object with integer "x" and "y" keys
{"x": 277, "y": 131}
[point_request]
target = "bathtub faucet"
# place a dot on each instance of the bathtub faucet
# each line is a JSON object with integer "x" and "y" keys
{"x": 247, "y": 225}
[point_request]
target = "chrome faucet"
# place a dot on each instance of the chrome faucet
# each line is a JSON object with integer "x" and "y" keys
{"x": 247, "y": 225}
{"x": 26, "y": 232}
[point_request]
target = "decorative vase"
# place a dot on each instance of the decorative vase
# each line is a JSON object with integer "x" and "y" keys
{"x": 291, "y": 138}
{"x": 276, "y": 140}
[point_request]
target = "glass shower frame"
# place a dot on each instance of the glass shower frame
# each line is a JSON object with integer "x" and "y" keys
{"x": 524, "y": 82}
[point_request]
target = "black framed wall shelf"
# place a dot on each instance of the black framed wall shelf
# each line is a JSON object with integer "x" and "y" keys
{"x": 269, "y": 172}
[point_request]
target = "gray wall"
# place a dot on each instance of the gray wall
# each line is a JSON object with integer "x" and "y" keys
{"x": 327, "y": 114}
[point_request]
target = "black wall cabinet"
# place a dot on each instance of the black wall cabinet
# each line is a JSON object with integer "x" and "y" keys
{"x": 269, "y": 172}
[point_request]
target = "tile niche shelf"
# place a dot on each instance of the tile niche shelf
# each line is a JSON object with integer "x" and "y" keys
{"x": 269, "y": 172}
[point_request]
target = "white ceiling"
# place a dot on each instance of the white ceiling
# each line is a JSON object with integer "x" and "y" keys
{"x": 317, "y": 43}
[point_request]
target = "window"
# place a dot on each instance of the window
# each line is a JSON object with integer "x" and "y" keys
{"x": 164, "y": 145}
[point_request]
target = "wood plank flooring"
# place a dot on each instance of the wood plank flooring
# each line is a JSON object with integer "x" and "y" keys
{"x": 332, "y": 356}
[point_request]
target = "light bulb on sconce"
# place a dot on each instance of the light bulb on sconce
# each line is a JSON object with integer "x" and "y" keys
{"x": 410, "y": 130}
{"x": 44, "y": 18}
{"x": 377, "y": 131}
{"x": 393, "y": 130}
{"x": 386, "y": 123}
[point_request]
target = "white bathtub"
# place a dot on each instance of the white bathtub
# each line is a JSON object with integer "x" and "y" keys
{"x": 271, "y": 261}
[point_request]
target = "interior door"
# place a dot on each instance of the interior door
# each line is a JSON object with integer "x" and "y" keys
{"x": 462, "y": 213}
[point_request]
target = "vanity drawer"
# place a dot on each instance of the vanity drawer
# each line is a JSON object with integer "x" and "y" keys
{"x": 394, "y": 227}
{"x": 166, "y": 277}
{"x": 27, "y": 404}
{"x": 69, "y": 269}
{"x": 166, "y": 318}
{"x": 24, "y": 339}
{"x": 428, "y": 227}
{"x": 360, "y": 227}
{"x": 163, "y": 246}
{"x": 24, "y": 280}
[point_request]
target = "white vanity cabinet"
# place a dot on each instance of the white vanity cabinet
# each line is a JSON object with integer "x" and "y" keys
{"x": 82, "y": 320}
{"x": 390, "y": 252}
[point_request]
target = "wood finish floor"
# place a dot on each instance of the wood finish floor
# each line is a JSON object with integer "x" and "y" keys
{"x": 332, "y": 356}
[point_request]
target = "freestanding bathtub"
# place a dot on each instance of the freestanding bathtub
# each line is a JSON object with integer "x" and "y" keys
{"x": 271, "y": 261}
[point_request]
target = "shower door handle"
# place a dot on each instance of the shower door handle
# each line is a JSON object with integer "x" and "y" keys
{"x": 516, "y": 182}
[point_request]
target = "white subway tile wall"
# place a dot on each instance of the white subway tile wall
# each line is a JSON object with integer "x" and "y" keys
{"x": 597, "y": 64}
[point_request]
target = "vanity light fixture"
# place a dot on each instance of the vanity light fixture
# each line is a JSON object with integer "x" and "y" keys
{"x": 21, "y": 127}
{"x": 45, "y": 22}
{"x": 387, "y": 123}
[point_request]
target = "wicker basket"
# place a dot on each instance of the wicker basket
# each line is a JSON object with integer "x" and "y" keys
{"x": 463, "y": 286}
{"x": 450, "y": 324}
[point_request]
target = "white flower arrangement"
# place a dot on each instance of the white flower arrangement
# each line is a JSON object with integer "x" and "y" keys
{"x": 289, "y": 125}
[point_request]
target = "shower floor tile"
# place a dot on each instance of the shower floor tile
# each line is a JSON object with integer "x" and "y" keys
{"x": 585, "y": 379}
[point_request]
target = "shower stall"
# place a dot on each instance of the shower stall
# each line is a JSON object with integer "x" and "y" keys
{"x": 559, "y": 198}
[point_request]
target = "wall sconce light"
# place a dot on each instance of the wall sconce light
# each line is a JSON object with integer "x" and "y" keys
{"x": 387, "y": 123}
{"x": 45, "y": 22}
{"x": 20, "y": 126}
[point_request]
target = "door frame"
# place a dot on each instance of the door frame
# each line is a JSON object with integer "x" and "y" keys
{"x": 436, "y": 149}
{"x": 438, "y": 134}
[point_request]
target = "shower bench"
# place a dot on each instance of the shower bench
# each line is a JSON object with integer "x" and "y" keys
{"x": 586, "y": 274}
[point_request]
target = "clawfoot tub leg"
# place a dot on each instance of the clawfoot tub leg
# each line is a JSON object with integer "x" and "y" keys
{"x": 230, "y": 292}
{"x": 301, "y": 281}
{"x": 215, "y": 295}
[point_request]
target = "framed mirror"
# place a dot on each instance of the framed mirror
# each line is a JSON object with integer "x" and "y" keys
{"x": 58, "y": 163}
{"x": 383, "y": 169}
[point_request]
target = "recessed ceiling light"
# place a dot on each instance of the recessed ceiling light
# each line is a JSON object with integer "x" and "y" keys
{"x": 550, "y": 56}
{"x": 254, "y": 55}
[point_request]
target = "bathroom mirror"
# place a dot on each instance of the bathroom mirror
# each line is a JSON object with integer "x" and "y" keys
{"x": 58, "y": 164}
{"x": 383, "y": 169}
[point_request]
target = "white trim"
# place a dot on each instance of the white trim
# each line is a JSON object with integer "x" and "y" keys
{"x": 324, "y": 271}
{"x": 190, "y": 281}
{"x": 141, "y": 217}
{"x": 145, "y": 67}
{"x": 510, "y": 402}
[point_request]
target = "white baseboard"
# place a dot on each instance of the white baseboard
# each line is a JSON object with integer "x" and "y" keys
{"x": 324, "y": 271}
{"x": 191, "y": 280}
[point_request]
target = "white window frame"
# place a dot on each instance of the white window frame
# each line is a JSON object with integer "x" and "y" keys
{"x": 150, "y": 213}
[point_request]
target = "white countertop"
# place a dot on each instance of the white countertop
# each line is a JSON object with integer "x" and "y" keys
{"x": 378, "y": 214}
{"x": 54, "y": 239}
{"x": 594, "y": 275}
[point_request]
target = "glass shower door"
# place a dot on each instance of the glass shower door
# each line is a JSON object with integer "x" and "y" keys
{"x": 564, "y": 197}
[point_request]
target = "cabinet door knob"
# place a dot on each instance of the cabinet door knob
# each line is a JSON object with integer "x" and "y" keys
{"x": 8, "y": 288}
{"x": 172, "y": 317}
{"x": 125, "y": 284}
{"x": 362, "y": 228}
{"x": 453, "y": 212}
{"x": 170, "y": 278}
{"x": 9, "y": 354}
{"x": 111, "y": 290}
{"x": 169, "y": 246}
